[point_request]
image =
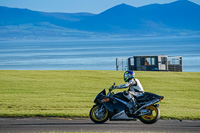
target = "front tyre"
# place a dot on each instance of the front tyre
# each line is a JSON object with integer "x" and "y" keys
{"x": 99, "y": 115}
{"x": 151, "y": 118}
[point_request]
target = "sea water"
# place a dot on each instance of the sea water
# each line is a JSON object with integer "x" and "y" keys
{"x": 94, "y": 54}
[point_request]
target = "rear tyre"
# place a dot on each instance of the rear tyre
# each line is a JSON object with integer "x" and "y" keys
{"x": 153, "y": 117}
{"x": 99, "y": 115}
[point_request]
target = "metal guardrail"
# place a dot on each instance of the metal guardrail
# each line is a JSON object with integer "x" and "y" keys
{"x": 121, "y": 64}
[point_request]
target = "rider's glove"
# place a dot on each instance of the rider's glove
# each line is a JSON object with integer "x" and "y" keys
{"x": 112, "y": 88}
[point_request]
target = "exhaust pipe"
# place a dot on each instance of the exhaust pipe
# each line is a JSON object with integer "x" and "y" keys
{"x": 147, "y": 104}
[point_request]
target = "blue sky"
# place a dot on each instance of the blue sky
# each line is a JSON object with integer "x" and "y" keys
{"x": 74, "y": 6}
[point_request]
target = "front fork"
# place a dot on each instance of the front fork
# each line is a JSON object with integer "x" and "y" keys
{"x": 101, "y": 108}
{"x": 100, "y": 113}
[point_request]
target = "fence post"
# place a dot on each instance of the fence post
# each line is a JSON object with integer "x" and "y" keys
{"x": 117, "y": 65}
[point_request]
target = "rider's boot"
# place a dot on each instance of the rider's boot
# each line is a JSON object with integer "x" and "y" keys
{"x": 132, "y": 103}
{"x": 132, "y": 108}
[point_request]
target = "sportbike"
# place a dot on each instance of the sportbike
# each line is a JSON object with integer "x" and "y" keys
{"x": 115, "y": 107}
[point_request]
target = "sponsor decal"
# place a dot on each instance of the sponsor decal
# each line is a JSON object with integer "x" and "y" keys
{"x": 105, "y": 100}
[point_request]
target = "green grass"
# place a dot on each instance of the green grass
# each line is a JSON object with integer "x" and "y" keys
{"x": 71, "y": 93}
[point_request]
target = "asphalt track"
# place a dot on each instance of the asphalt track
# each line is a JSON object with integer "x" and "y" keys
{"x": 29, "y": 125}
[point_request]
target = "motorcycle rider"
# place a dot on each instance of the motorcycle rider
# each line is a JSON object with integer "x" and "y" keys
{"x": 135, "y": 89}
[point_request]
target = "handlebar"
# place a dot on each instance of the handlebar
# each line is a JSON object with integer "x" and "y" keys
{"x": 112, "y": 87}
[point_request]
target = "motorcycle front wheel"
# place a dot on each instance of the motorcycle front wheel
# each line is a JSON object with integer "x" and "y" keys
{"x": 99, "y": 115}
{"x": 153, "y": 117}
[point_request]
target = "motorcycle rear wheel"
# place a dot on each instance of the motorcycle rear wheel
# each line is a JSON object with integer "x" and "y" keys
{"x": 150, "y": 119}
{"x": 99, "y": 117}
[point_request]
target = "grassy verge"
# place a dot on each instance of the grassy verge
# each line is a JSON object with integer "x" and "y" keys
{"x": 71, "y": 93}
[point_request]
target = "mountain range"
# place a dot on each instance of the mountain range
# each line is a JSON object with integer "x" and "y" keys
{"x": 181, "y": 17}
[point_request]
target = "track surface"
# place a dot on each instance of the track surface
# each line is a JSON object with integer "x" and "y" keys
{"x": 28, "y": 125}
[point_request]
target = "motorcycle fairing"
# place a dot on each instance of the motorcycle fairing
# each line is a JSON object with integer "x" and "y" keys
{"x": 121, "y": 116}
{"x": 117, "y": 111}
{"x": 114, "y": 107}
{"x": 100, "y": 96}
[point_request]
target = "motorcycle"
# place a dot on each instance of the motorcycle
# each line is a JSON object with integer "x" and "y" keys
{"x": 115, "y": 107}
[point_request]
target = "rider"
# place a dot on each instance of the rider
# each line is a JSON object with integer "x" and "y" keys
{"x": 135, "y": 89}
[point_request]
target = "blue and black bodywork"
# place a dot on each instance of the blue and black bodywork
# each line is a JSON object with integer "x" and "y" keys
{"x": 115, "y": 106}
